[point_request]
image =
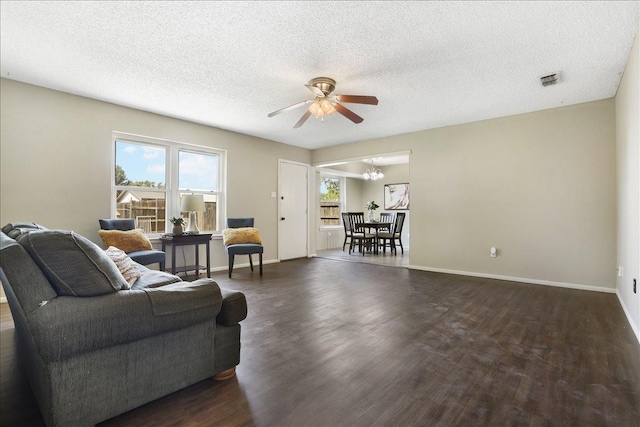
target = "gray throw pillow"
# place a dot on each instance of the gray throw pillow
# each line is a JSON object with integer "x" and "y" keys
{"x": 74, "y": 265}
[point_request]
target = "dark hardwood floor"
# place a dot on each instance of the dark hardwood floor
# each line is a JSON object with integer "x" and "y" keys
{"x": 386, "y": 258}
{"x": 333, "y": 343}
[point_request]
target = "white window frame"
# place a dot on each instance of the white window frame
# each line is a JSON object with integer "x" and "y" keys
{"x": 343, "y": 188}
{"x": 171, "y": 190}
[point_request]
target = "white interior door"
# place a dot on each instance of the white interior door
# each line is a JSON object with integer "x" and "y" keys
{"x": 293, "y": 203}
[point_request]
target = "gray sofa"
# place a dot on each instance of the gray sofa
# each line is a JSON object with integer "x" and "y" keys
{"x": 93, "y": 349}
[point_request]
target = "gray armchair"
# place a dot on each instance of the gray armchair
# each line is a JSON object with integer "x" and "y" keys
{"x": 242, "y": 248}
{"x": 145, "y": 257}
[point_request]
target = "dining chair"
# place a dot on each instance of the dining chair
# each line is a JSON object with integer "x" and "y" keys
{"x": 242, "y": 248}
{"x": 143, "y": 256}
{"x": 347, "y": 229}
{"x": 387, "y": 217}
{"x": 359, "y": 234}
{"x": 389, "y": 239}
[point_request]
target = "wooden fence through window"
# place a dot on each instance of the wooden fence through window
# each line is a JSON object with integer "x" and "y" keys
{"x": 150, "y": 215}
{"x": 330, "y": 213}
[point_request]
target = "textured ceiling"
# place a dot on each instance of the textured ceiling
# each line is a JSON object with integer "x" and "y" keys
{"x": 229, "y": 64}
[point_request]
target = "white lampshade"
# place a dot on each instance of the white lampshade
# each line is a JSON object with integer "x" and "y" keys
{"x": 192, "y": 203}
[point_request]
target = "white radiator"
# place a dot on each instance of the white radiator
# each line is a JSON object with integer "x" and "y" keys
{"x": 333, "y": 239}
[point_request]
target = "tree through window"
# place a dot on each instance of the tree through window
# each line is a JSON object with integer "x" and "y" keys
{"x": 330, "y": 201}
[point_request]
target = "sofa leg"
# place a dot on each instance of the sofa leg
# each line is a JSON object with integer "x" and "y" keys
{"x": 230, "y": 265}
{"x": 225, "y": 375}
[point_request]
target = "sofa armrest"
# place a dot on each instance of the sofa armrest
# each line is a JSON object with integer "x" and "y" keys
{"x": 234, "y": 308}
{"x": 71, "y": 325}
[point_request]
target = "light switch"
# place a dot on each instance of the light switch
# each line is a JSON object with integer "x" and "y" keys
{"x": 273, "y": 194}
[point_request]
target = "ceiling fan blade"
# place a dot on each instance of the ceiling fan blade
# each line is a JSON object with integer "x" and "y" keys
{"x": 303, "y": 119}
{"x": 290, "y": 107}
{"x": 358, "y": 99}
{"x": 348, "y": 113}
{"x": 316, "y": 91}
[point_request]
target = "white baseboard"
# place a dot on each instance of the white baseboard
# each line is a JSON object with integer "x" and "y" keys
{"x": 634, "y": 327}
{"x": 3, "y": 300}
{"x": 518, "y": 279}
{"x": 243, "y": 265}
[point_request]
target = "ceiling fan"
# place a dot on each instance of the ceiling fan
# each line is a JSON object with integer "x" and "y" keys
{"x": 326, "y": 104}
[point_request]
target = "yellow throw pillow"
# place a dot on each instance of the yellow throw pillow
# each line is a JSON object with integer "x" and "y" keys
{"x": 234, "y": 236}
{"x": 128, "y": 241}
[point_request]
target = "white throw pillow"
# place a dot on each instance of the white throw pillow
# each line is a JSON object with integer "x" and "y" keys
{"x": 125, "y": 264}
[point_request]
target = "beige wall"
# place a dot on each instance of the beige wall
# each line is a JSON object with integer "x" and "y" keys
{"x": 355, "y": 202}
{"x": 628, "y": 136}
{"x": 56, "y": 160}
{"x": 541, "y": 187}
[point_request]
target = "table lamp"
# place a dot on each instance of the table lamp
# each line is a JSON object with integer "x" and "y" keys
{"x": 192, "y": 203}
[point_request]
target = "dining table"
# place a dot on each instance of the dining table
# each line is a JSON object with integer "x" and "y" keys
{"x": 377, "y": 226}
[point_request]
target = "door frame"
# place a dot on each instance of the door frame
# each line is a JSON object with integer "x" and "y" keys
{"x": 310, "y": 174}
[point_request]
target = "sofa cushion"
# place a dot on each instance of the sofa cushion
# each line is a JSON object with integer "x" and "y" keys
{"x": 126, "y": 266}
{"x": 69, "y": 326}
{"x": 153, "y": 278}
{"x": 128, "y": 241}
{"x": 182, "y": 297}
{"x": 74, "y": 265}
{"x": 29, "y": 283}
{"x": 14, "y": 229}
{"x": 233, "y": 236}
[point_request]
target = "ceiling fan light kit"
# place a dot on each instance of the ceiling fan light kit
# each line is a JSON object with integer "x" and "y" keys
{"x": 322, "y": 108}
{"x": 325, "y": 104}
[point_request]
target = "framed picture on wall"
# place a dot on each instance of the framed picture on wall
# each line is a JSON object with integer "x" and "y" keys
{"x": 396, "y": 197}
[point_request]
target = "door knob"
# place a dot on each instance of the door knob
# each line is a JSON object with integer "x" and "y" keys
{"x": 282, "y": 219}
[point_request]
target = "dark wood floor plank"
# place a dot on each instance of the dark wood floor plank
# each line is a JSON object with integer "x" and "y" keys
{"x": 334, "y": 343}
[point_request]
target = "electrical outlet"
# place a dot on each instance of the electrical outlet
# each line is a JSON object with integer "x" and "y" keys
{"x": 620, "y": 271}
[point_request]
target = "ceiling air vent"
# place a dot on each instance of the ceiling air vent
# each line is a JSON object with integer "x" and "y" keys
{"x": 549, "y": 79}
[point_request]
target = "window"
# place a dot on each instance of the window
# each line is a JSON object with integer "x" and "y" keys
{"x": 330, "y": 200}
{"x": 140, "y": 177}
{"x": 198, "y": 174}
{"x": 151, "y": 177}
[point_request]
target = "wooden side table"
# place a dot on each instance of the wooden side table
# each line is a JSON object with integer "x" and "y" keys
{"x": 184, "y": 240}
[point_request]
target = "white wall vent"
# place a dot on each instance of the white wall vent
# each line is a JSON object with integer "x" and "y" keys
{"x": 549, "y": 79}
